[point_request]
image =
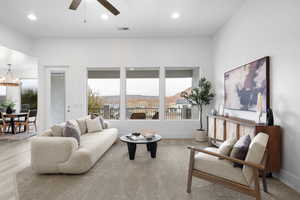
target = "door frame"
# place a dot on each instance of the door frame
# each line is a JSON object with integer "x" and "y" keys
{"x": 49, "y": 70}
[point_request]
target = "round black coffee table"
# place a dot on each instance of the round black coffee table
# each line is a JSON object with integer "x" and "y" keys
{"x": 131, "y": 144}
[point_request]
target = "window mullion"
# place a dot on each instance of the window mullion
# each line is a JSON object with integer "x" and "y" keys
{"x": 123, "y": 93}
{"x": 162, "y": 91}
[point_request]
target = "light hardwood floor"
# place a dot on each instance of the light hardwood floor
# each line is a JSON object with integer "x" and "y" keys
{"x": 14, "y": 156}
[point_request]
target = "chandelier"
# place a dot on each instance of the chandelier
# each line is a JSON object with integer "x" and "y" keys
{"x": 9, "y": 79}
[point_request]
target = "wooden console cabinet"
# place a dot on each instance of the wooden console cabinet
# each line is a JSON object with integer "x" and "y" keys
{"x": 221, "y": 128}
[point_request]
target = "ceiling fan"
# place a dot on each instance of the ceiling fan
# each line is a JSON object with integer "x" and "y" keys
{"x": 75, "y": 3}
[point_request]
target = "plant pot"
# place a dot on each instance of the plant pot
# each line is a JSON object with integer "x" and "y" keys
{"x": 9, "y": 110}
{"x": 200, "y": 135}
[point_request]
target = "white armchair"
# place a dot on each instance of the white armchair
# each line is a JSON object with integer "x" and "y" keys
{"x": 209, "y": 165}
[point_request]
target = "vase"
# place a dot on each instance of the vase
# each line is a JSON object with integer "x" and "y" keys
{"x": 200, "y": 135}
{"x": 270, "y": 117}
{"x": 9, "y": 110}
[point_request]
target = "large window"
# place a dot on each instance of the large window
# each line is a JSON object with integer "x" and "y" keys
{"x": 29, "y": 94}
{"x": 177, "y": 81}
{"x": 142, "y": 94}
{"x": 104, "y": 93}
{"x": 138, "y": 93}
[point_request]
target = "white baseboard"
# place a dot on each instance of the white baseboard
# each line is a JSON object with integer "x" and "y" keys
{"x": 289, "y": 179}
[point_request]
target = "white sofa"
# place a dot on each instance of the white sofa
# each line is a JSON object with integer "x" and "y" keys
{"x": 52, "y": 154}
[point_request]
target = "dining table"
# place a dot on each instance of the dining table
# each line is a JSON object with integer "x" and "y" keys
{"x": 12, "y": 118}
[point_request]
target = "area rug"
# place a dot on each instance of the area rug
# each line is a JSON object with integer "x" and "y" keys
{"x": 115, "y": 177}
{"x": 16, "y": 137}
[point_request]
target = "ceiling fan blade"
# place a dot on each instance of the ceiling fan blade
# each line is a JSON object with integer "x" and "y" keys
{"x": 74, "y": 5}
{"x": 109, "y": 7}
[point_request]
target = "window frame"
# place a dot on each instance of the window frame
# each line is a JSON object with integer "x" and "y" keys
{"x": 162, "y": 90}
{"x": 159, "y": 92}
{"x": 87, "y": 86}
{"x": 196, "y": 75}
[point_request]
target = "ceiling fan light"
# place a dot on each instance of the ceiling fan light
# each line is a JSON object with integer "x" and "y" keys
{"x": 32, "y": 17}
{"x": 104, "y": 16}
{"x": 175, "y": 15}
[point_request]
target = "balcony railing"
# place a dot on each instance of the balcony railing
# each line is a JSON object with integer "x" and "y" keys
{"x": 143, "y": 113}
{"x": 178, "y": 113}
{"x": 107, "y": 113}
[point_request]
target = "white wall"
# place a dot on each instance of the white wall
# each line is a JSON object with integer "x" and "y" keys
{"x": 14, "y": 40}
{"x": 268, "y": 28}
{"x": 79, "y": 54}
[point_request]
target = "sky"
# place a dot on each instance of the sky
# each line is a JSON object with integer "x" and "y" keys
{"x": 146, "y": 86}
{"x": 29, "y": 83}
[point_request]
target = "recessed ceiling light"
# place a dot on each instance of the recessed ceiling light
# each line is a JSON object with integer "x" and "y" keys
{"x": 131, "y": 68}
{"x": 104, "y": 17}
{"x": 175, "y": 15}
{"x": 32, "y": 17}
{"x": 123, "y": 28}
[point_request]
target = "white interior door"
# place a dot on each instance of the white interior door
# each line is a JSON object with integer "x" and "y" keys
{"x": 58, "y": 107}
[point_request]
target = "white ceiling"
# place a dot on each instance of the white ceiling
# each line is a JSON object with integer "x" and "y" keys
{"x": 146, "y": 18}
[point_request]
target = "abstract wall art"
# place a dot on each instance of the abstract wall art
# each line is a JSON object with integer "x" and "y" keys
{"x": 243, "y": 84}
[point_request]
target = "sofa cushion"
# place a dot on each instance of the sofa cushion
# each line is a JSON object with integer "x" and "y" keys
{"x": 107, "y": 125}
{"x": 47, "y": 133}
{"x": 222, "y": 168}
{"x": 93, "y": 125}
{"x": 102, "y": 122}
{"x": 226, "y": 146}
{"x": 96, "y": 144}
{"x": 72, "y": 130}
{"x": 240, "y": 149}
{"x": 82, "y": 124}
{"x": 57, "y": 129}
{"x": 255, "y": 154}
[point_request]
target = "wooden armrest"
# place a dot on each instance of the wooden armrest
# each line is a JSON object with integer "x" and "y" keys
{"x": 250, "y": 164}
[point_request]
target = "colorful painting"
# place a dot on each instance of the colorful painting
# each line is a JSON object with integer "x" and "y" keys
{"x": 243, "y": 84}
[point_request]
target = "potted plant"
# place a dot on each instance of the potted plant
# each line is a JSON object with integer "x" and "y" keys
{"x": 200, "y": 96}
{"x": 7, "y": 106}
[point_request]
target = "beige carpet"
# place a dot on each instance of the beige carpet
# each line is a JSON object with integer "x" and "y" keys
{"x": 115, "y": 177}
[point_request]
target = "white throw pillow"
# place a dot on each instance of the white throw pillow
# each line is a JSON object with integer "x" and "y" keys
{"x": 82, "y": 124}
{"x": 226, "y": 146}
{"x": 94, "y": 125}
{"x": 255, "y": 154}
{"x": 57, "y": 129}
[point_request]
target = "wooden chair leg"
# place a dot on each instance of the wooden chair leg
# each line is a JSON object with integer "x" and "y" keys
{"x": 191, "y": 166}
{"x": 256, "y": 182}
{"x": 264, "y": 181}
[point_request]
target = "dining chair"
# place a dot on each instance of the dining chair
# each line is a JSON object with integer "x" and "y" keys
{"x": 5, "y": 124}
{"x": 32, "y": 115}
{"x": 1, "y": 126}
{"x": 25, "y": 108}
{"x": 22, "y": 121}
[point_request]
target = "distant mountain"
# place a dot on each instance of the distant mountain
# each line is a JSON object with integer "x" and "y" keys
{"x": 171, "y": 100}
{"x": 142, "y": 98}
